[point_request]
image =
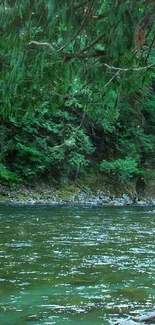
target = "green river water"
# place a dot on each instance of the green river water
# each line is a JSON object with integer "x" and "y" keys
{"x": 75, "y": 265}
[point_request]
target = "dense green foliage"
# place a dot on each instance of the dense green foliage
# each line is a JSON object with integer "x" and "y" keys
{"x": 77, "y": 89}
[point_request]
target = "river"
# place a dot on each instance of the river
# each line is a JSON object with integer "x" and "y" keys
{"x": 75, "y": 265}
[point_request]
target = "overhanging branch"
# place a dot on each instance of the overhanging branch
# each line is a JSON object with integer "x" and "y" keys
{"x": 42, "y": 44}
{"x": 129, "y": 69}
{"x": 82, "y": 55}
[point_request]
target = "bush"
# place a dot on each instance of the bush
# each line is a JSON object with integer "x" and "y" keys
{"x": 121, "y": 170}
{"x": 6, "y": 176}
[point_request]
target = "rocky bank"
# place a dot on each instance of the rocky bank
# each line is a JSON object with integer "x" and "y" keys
{"x": 73, "y": 195}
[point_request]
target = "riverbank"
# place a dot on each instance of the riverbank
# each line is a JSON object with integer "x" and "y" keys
{"x": 72, "y": 194}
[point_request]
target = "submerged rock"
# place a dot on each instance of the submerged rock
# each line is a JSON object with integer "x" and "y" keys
{"x": 83, "y": 282}
{"x": 127, "y": 322}
{"x": 31, "y": 318}
{"x": 148, "y": 318}
{"x": 139, "y": 294}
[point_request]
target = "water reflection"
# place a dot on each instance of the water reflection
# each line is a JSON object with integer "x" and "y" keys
{"x": 78, "y": 265}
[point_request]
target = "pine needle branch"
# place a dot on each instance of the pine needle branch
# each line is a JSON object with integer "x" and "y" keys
{"x": 129, "y": 69}
{"x": 42, "y": 44}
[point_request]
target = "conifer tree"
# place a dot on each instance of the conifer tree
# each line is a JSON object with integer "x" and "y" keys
{"x": 85, "y": 64}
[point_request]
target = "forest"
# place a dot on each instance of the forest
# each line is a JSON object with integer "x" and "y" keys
{"x": 77, "y": 90}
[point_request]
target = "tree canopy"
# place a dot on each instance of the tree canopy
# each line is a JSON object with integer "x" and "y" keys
{"x": 77, "y": 88}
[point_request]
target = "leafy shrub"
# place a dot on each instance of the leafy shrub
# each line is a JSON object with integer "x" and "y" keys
{"x": 121, "y": 170}
{"x": 6, "y": 176}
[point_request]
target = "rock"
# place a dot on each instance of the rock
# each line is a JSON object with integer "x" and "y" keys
{"x": 31, "y": 318}
{"x": 127, "y": 322}
{"x": 152, "y": 202}
{"x": 148, "y": 318}
{"x": 141, "y": 203}
{"x": 139, "y": 294}
{"x": 127, "y": 199}
{"x": 83, "y": 282}
{"x": 47, "y": 195}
